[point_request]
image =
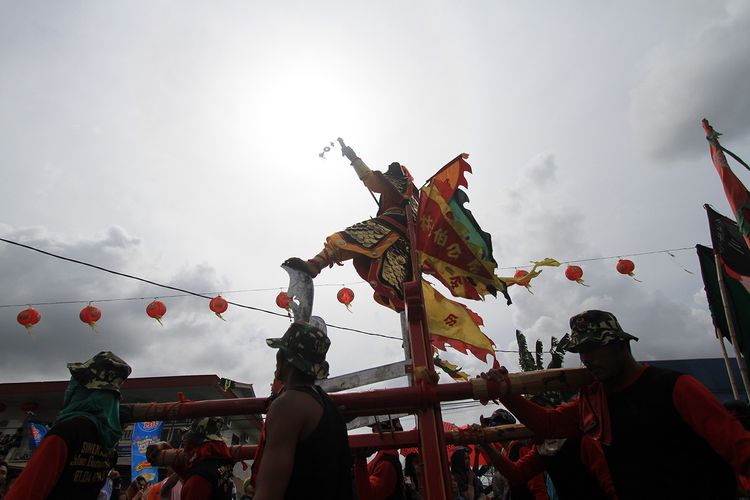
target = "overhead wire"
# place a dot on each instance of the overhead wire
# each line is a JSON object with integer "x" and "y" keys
{"x": 207, "y": 295}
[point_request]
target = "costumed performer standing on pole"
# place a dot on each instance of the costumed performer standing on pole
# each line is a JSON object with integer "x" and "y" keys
{"x": 378, "y": 247}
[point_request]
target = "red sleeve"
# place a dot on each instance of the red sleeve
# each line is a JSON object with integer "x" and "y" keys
{"x": 42, "y": 472}
{"x": 545, "y": 422}
{"x": 520, "y": 471}
{"x": 538, "y": 487}
{"x": 196, "y": 488}
{"x": 592, "y": 456}
{"x": 700, "y": 409}
{"x": 383, "y": 480}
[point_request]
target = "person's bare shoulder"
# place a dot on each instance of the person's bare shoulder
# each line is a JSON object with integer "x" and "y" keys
{"x": 295, "y": 409}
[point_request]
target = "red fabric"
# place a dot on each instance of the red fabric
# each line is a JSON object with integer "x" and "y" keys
{"x": 196, "y": 488}
{"x": 382, "y": 476}
{"x": 523, "y": 469}
{"x": 42, "y": 472}
{"x": 736, "y": 193}
{"x": 258, "y": 456}
{"x": 154, "y": 492}
{"x": 205, "y": 450}
{"x": 559, "y": 422}
{"x": 700, "y": 409}
{"x": 592, "y": 456}
{"x": 538, "y": 487}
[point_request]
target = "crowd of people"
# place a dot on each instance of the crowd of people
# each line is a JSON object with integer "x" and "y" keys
{"x": 637, "y": 431}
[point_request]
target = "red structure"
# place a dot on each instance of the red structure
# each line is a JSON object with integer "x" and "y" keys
{"x": 423, "y": 396}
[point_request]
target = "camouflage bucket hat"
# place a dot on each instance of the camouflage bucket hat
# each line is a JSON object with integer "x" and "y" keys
{"x": 387, "y": 425}
{"x": 105, "y": 371}
{"x": 595, "y": 329}
{"x": 305, "y": 347}
{"x": 205, "y": 429}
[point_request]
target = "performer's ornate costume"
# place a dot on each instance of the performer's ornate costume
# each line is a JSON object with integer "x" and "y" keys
{"x": 378, "y": 247}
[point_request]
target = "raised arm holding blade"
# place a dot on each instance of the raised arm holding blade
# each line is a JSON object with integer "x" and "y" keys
{"x": 378, "y": 247}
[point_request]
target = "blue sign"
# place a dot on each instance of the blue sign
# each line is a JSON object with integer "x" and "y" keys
{"x": 37, "y": 432}
{"x": 144, "y": 434}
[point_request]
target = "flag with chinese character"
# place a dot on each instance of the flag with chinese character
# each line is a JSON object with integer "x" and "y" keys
{"x": 737, "y": 194}
{"x": 450, "y": 244}
{"x": 455, "y": 324}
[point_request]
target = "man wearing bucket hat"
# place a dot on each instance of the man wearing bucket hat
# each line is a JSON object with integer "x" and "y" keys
{"x": 663, "y": 434}
{"x": 75, "y": 457}
{"x": 209, "y": 470}
{"x": 304, "y": 449}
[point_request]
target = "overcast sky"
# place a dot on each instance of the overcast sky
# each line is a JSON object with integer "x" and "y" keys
{"x": 179, "y": 141}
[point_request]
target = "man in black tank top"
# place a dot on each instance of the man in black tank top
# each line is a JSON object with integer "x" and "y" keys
{"x": 306, "y": 449}
{"x": 664, "y": 435}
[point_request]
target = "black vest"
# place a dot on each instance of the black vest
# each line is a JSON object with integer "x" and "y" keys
{"x": 323, "y": 465}
{"x": 654, "y": 453}
{"x": 218, "y": 473}
{"x": 87, "y": 463}
{"x": 572, "y": 479}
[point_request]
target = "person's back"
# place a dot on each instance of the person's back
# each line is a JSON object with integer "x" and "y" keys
{"x": 322, "y": 462}
{"x": 304, "y": 449}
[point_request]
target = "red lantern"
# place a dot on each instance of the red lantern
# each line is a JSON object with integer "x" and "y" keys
{"x": 156, "y": 310}
{"x": 283, "y": 300}
{"x": 90, "y": 315}
{"x": 520, "y": 274}
{"x": 218, "y": 305}
{"x": 346, "y": 296}
{"x": 626, "y": 266}
{"x": 575, "y": 273}
{"x": 28, "y": 318}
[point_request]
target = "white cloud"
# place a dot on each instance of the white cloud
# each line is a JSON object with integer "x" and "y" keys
{"x": 703, "y": 75}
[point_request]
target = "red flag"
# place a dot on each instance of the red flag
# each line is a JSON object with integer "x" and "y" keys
{"x": 737, "y": 194}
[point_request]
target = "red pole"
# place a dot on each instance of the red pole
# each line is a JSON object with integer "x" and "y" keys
{"x": 384, "y": 441}
{"x": 438, "y": 482}
{"x": 377, "y": 402}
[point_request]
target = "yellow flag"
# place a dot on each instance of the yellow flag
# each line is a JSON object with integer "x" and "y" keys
{"x": 455, "y": 324}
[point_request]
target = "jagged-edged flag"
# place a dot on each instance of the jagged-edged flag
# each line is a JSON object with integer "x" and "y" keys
{"x": 452, "y": 370}
{"x": 525, "y": 280}
{"x": 450, "y": 243}
{"x": 737, "y": 194}
{"x": 456, "y": 325}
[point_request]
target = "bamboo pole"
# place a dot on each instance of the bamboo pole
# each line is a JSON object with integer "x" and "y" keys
{"x": 730, "y": 372}
{"x": 730, "y": 324}
{"x": 375, "y": 402}
{"x": 361, "y": 442}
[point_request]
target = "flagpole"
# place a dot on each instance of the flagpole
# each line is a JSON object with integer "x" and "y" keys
{"x": 730, "y": 372}
{"x": 730, "y": 325}
{"x": 406, "y": 344}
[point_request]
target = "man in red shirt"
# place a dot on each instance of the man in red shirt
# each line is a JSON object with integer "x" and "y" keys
{"x": 384, "y": 472}
{"x": 663, "y": 434}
